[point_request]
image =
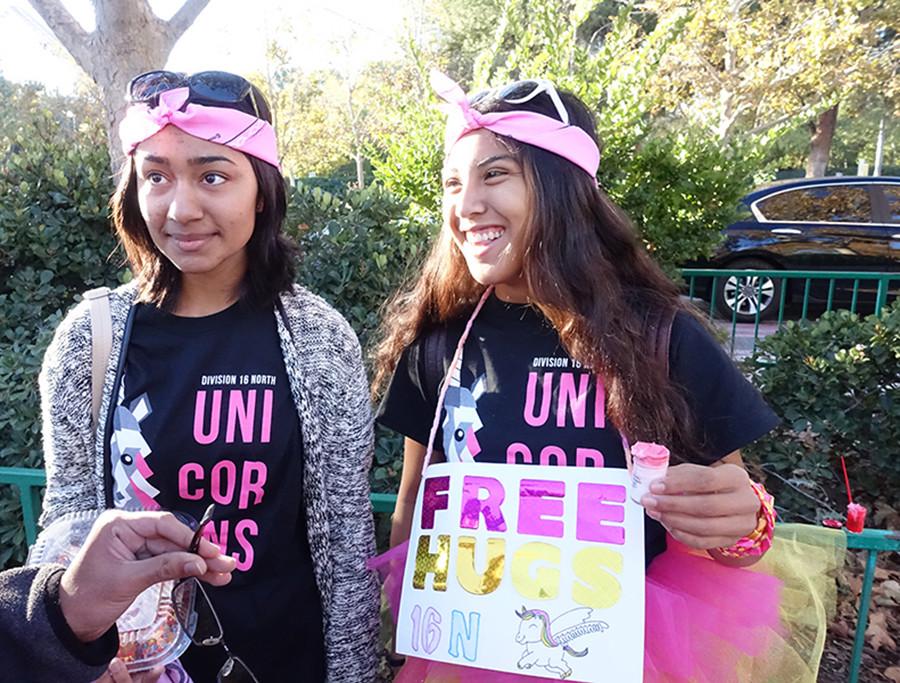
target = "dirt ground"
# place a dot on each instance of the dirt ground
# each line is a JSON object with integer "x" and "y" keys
{"x": 881, "y": 654}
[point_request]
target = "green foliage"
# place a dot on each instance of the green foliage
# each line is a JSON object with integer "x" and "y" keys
{"x": 408, "y": 162}
{"x": 835, "y": 384}
{"x": 679, "y": 190}
{"x": 55, "y": 241}
{"x": 358, "y": 247}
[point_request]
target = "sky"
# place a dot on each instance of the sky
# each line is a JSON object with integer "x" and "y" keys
{"x": 227, "y": 35}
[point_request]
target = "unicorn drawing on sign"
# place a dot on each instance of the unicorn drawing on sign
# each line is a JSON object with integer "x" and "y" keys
{"x": 462, "y": 420}
{"x": 547, "y": 642}
{"x": 128, "y": 455}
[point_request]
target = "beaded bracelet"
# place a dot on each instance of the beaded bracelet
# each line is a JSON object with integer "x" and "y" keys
{"x": 758, "y": 541}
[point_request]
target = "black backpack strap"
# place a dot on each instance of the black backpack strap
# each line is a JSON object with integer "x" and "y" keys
{"x": 434, "y": 351}
{"x": 659, "y": 329}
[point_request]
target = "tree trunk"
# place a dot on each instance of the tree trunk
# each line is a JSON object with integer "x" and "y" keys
{"x": 129, "y": 39}
{"x": 820, "y": 142}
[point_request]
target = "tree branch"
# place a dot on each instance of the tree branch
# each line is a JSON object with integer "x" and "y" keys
{"x": 184, "y": 17}
{"x": 68, "y": 31}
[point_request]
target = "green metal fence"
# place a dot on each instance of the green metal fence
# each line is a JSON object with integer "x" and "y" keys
{"x": 873, "y": 541}
{"x": 745, "y": 298}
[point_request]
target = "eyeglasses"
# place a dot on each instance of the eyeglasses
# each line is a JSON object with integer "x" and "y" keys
{"x": 199, "y": 620}
{"x": 532, "y": 88}
{"x": 206, "y": 87}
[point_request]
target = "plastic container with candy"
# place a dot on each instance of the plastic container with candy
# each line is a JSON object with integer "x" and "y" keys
{"x": 149, "y": 631}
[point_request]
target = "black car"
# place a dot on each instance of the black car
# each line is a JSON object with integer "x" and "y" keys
{"x": 838, "y": 223}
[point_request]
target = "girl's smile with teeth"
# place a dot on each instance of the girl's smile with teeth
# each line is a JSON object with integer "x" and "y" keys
{"x": 484, "y": 235}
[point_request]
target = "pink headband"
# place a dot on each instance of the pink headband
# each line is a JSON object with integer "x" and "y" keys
{"x": 222, "y": 125}
{"x": 568, "y": 141}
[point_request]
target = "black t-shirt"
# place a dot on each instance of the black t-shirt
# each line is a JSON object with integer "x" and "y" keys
{"x": 520, "y": 398}
{"x": 205, "y": 415}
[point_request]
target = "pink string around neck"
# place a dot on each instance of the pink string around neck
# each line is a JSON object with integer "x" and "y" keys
{"x": 457, "y": 358}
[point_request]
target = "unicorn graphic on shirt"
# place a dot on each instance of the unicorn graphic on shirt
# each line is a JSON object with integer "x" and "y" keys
{"x": 547, "y": 641}
{"x": 462, "y": 419}
{"x": 128, "y": 456}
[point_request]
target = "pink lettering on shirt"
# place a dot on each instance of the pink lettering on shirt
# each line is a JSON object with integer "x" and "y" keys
{"x": 514, "y": 450}
{"x": 241, "y": 411}
{"x": 223, "y": 479}
{"x": 536, "y": 420}
{"x": 572, "y": 398}
{"x": 186, "y": 489}
{"x": 253, "y": 479}
{"x": 554, "y": 453}
{"x": 243, "y": 529}
{"x": 266, "y": 434}
{"x": 600, "y": 405}
{"x": 201, "y": 436}
{"x": 588, "y": 457}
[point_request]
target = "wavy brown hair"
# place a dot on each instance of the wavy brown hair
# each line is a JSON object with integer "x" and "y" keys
{"x": 585, "y": 271}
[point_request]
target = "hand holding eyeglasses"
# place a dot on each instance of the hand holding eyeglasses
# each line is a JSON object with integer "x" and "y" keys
{"x": 126, "y": 553}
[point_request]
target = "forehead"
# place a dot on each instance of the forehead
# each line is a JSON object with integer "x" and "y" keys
{"x": 174, "y": 145}
{"x": 473, "y": 148}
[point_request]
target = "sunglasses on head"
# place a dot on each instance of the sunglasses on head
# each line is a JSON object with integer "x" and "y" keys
{"x": 206, "y": 87}
{"x": 199, "y": 620}
{"x": 524, "y": 91}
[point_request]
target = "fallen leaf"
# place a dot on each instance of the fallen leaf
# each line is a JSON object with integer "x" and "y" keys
{"x": 892, "y": 673}
{"x": 877, "y": 634}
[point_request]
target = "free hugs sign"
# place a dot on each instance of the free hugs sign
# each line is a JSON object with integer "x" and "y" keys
{"x": 536, "y": 570}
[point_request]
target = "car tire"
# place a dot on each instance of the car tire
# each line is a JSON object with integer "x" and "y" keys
{"x": 751, "y": 295}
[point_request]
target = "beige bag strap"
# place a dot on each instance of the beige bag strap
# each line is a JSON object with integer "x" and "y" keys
{"x": 101, "y": 345}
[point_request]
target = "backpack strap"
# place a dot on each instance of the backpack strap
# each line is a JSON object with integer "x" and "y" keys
{"x": 101, "y": 345}
{"x": 434, "y": 349}
{"x": 659, "y": 327}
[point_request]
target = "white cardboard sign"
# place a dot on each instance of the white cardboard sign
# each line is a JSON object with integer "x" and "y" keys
{"x": 536, "y": 570}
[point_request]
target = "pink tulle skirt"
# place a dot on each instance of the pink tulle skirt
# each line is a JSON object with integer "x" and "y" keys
{"x": 705, "y": 623}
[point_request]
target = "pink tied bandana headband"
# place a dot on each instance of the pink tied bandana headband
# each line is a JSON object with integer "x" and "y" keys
{"x": 222, "y": 125}
{"x": 565, "y": 140}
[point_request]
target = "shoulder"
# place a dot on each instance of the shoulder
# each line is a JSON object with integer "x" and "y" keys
{"x": 314, "y": 320}
{"x": 690, "y": 335}
{"x": 74, "y": 331}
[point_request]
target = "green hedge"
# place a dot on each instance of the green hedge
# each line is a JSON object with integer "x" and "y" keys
{"x": 836, "y": 384}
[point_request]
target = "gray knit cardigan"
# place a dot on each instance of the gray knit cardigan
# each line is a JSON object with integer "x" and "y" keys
{"x": 329, "y": 387}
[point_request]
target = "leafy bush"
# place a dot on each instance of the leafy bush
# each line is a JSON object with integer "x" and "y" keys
{"x": 836, "y": 384}
{"x": 55, "y": 241}
{"x": 358, "y": 247}
{"x": 680, "y": 190}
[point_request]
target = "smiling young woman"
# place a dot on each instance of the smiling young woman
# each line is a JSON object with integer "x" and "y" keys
{"x": 540, "y": 332}
{"x": 226, "y": 383}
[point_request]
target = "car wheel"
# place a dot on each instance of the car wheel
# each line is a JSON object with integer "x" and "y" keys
{"x": 749, "y": 294}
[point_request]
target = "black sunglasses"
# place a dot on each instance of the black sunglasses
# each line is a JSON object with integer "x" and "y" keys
{"x": 199, "y": 620}
{"x": 206, "y": 87}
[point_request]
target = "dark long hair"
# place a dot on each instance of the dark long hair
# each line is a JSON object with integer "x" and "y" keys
{"x": 585, "y": 271}
{"x": 271, "y": 256}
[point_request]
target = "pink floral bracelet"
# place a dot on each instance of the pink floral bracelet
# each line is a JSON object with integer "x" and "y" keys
{"x": 758, "y": 541}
